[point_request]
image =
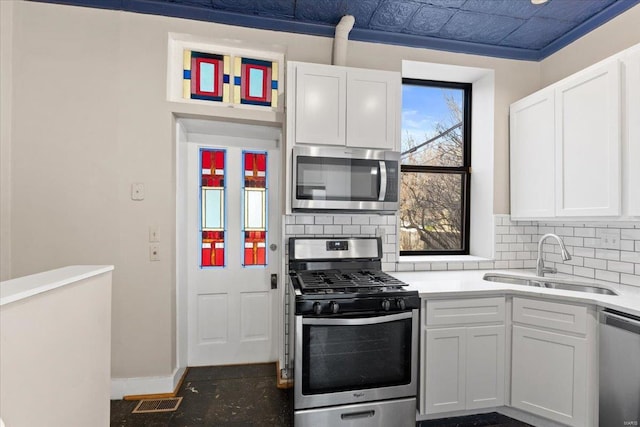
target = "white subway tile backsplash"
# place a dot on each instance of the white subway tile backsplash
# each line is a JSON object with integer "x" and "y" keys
{"x": 564, "y": 268}
{"x": 378, "y": 220}
{"x": 291, "y": 230}
{"x": 333, "y": 230}
{"x": 351, "y": 230}
{"x": 322, "y": 219}
{"x": 304, "y": 219}
{"x": 314, "y": 229}
{"x": 516, "y": 264}
{"x": 368, "y": 229}
{"x": 629, "y": 279}
{"x": 584, "y": 232}
{"x": 610, "y": 254}
{"x": 626, "y": 245}
{"x": 622, "y": 267}
{"x": 630, "y": 234}
{"x": 342, "y": 219}
{"x": 580, "y": 251}
{"x": 454, "y": 266}
{"x": 630, "y": 256}
{"x": 584, "y": 272}
{"x": 608, "y": 276}
{"x": 359, "y": 219}
{"x": 599, "y": 264}
{"x": 516, "y": 245}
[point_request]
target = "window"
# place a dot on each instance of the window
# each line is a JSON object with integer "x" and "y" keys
{"x": 436, "y": 168}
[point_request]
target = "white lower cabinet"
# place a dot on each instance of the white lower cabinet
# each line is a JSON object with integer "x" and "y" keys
{"x": 462, "y": 366}
{"x": 553, "y": 361}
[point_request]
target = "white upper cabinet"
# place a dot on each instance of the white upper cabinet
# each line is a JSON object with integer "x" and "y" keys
{"x": 344, "y": 106}
{"x": 631, "y": 137}
{"x": 320, "y": 104}
{"x": 372, "y": 108}
{"x": 532, "y": 156}
{"x": 588, "y": 143}
{"x": 566, "y": 148}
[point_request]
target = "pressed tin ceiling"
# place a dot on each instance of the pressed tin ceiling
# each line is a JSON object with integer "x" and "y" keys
{"x": 515, "y": 29}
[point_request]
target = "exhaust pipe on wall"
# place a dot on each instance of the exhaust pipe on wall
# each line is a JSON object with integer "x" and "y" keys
{"x": 340, "y": 41}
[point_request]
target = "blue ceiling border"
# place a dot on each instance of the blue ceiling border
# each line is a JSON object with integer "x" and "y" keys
{"x": 194, "y": 12}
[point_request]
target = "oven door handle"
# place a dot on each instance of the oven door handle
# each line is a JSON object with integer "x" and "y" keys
{"x": 358, "y": 321}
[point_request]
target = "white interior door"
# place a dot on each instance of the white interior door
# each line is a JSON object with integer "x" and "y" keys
{"x": 231, "y": 306}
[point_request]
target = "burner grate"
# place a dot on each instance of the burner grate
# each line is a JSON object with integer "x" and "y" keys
{"x": 337, "y": 279}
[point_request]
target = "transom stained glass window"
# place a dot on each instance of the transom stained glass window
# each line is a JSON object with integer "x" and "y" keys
{"x": 255, "y": 82}
{"x": 212, "y": 200}
{"x": 230, "y": 79}
{"x": 255, "y": 208}
{"x": 206, "y": 76}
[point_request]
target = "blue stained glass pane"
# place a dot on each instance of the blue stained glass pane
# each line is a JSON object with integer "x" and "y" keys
{"x": 207, "y": 73}
{"x": 212, "y": 208}
{"x": 255, "y": 82}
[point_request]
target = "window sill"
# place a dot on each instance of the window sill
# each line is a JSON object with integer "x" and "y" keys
{"x": 442, "y": 258}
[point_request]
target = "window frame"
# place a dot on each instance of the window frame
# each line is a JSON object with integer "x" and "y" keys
{"x": 464, "y": 171}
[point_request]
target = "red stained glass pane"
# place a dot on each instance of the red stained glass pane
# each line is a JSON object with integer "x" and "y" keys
{"x": 261, "y": 162}
{"x": 206, "y": 160}
{"x": 206, "y": 257}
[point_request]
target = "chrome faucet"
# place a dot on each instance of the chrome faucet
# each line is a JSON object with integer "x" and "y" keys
{"x": 540, "y": 268}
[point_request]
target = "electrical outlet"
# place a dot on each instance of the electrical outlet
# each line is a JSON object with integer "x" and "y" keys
{"x": 610, "y": 239}
{"x": 154, "y": 234}
{"x": 154, "y": 252}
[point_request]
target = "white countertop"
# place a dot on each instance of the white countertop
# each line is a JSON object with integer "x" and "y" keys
{"x": 470, "y": 283}
{"x": 23, "y": 287}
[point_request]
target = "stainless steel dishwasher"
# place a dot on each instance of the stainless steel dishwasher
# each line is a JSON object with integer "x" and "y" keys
{"x": 619, "y": 369}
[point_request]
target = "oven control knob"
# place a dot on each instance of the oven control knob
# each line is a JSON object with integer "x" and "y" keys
{"x": 386, "y": 304}
{"x": 401, "y": 304}
{"x": 317, "y": 308}
{"x": 334, "y": 307}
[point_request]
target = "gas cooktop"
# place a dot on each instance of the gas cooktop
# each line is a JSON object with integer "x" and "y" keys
{"x": 336, "y": 278}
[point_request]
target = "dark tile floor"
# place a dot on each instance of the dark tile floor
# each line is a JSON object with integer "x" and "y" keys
{"x": 247, "y": 396}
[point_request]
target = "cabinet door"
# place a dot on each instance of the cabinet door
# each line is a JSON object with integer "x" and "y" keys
{"x": 485, "y": 366}
{"x": 549, "y": 375}
{"x": 372, "y": 109}
{"x": 632, "y": 127}
{"x": 321, "y": 96}
{"x": 445, "y": 370}
{"x": 532, "y": 154}
{"x": 588, "y": 143}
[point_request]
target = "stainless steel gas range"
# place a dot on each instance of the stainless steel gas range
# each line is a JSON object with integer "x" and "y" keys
{"x": 355, "y": 336}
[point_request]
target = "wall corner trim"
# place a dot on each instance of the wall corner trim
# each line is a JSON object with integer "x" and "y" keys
{"x": 121, "y": 387}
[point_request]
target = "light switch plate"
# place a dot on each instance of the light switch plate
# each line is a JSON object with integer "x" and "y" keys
{"x": 137, "y": 191}
{"x": 154, "y": 233}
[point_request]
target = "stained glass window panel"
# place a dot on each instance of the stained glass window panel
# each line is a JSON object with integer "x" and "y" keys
{"x": 256, "y": 82}
{"x": 206, "y": 76}
{"x": 213, "y": 208}
{"x": 212, "y": 200}
{"x": 255, "y": 208}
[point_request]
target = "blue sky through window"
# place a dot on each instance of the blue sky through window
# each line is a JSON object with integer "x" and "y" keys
{"x": 423, "y": 107}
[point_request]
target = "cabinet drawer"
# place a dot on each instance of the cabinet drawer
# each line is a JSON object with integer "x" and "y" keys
{"x": 552, "y": 315}
{"x": 464, "y": 311}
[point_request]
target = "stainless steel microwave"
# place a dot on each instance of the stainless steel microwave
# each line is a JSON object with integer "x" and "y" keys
{"x": 345, "y": 179}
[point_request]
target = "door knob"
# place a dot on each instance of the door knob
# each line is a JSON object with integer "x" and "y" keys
{"x": 273, "y": 246}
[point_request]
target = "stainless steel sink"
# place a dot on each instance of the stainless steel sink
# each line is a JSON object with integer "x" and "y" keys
{"x": 546, "y": 282}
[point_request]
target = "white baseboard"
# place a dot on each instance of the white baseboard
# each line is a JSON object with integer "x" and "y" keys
{"x": 121, "y": 387}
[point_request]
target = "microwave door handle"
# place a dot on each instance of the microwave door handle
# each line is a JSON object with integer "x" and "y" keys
{"x": 383, "y": 181}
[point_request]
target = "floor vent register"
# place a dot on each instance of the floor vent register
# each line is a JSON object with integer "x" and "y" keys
{"x": 149, "y": 406}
